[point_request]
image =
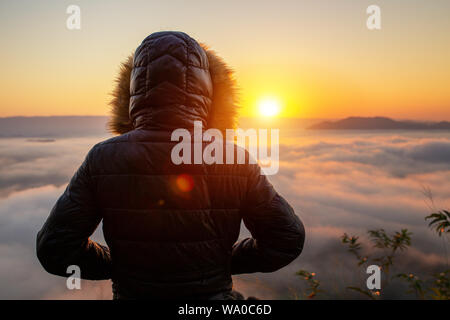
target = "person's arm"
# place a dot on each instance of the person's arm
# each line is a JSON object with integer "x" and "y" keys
{"x": 278, "y": 234}
{"x": 64, "y": 238}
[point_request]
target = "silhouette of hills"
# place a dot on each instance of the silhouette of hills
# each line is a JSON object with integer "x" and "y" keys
{"x": 378, "y": 123}
{"x": 53, "y": 126}
{"x": 79, "y": 126}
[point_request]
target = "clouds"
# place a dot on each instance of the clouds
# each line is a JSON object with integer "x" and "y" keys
{"x": 344, "y": 183}
{"x": 431, "y": 151}
{"x": 29, "y": 163}
{"x": 355, "y": 183}
{"x": 336, "y": 183}
{"x": 32, "y": 176}
{"x": 397, "y": 156}
{"x": 22, "y": 214}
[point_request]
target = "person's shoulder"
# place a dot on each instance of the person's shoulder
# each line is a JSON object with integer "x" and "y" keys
{"x": 110, "y": 142}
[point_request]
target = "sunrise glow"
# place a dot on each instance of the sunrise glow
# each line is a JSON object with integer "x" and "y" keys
{"x": 269, "y": 107}
{"x": 72, "y": 72}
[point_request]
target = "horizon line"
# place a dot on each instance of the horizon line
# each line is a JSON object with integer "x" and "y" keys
{"x": 242, "y": 117}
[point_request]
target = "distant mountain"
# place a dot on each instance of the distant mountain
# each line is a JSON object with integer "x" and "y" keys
{"x": 378, "y": 123}
{"x": 46, "y": 128}
{"x": 53, "y": 127}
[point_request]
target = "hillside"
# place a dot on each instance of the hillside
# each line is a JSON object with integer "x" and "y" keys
{"x": 53, "y": 126}
{"x": 378, "y": 123}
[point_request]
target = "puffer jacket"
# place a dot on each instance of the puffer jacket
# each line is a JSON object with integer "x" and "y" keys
{"x": 171, "y": 230}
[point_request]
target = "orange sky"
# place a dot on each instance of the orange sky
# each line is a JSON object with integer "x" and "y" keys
{"x": 317, "y": 58}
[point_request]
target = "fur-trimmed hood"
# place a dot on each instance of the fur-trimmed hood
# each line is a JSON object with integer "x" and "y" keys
{"x": 144, "y": 87}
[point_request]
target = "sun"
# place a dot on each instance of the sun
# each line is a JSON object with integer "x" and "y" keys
{"x": 269, "y": 107}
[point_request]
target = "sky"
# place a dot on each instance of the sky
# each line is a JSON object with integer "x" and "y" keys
{"x": 316, "y": 59}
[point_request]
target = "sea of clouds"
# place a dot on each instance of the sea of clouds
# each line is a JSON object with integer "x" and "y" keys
{"x": 336, "y": 181}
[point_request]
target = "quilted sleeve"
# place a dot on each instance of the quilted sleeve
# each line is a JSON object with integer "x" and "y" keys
{"x": 64, "y": 238}
{"x": 278, "y": 234}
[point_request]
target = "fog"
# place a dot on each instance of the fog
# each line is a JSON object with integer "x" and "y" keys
{"x": 336, "y": 181}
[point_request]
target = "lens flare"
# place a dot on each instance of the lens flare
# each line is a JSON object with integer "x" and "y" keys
{"x": 184, "y": 182}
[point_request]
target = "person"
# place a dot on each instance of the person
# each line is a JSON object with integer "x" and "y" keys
{"x": 171, "y": 230}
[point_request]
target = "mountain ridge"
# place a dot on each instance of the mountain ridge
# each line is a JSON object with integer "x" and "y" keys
{"x": 379, "y": 123}
{"x": 52, "y": 126}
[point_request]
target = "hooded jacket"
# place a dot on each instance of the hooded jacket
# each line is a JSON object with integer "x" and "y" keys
{"x": 171, "y": 229}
